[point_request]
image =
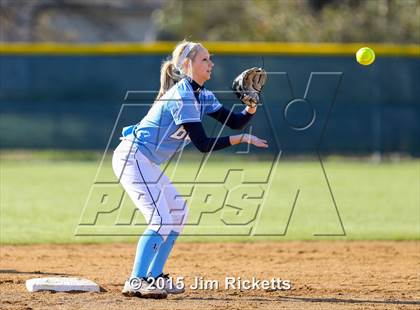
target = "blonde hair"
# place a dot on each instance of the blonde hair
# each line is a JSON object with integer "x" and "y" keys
{"x": 173, "y": 70}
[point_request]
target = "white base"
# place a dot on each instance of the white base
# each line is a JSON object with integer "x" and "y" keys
{"x": 60, "y": 284}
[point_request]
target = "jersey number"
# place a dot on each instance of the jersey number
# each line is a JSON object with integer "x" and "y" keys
{"x": 180, "y": 134}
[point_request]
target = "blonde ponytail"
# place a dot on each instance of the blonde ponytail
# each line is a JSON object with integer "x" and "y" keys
{"x": 169, "y": 73}
{"x": 168, "y": 77}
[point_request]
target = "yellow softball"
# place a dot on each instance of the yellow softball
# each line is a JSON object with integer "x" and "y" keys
{"x": 365, "y": 56}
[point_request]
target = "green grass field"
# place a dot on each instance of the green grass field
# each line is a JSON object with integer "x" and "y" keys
{"x": 42, "y": 200}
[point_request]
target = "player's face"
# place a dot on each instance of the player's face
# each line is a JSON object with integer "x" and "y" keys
{"x": 202, "y": 66}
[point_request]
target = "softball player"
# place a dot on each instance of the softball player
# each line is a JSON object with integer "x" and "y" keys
{"x": 173, "y": 121}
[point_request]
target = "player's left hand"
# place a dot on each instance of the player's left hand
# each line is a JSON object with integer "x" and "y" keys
{"x": 248, "y": 85}
{"x": 251, "y": 110}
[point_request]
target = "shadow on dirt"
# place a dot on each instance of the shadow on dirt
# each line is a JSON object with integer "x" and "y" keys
{"x": 13, "y": 271}
{"x": 353, "y": 301}
{"x": 313, "y": 300}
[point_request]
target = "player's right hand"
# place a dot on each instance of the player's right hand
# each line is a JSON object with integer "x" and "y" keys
{"x": 254, "y": 140}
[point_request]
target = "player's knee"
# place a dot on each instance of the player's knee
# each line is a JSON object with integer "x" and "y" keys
{"x": 155, "y": 224}
{"x": 179, "y": 218}
{"x": 164, "y": 230}
{"x": 162, "y": 223}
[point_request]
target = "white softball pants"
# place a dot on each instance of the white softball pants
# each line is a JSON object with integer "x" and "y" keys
{"x": 150, "y": 189}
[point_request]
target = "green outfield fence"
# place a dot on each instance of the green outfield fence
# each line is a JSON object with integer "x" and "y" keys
{"x": 68, "y": 96}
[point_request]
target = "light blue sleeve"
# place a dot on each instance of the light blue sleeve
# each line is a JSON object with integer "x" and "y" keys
{"x": 211, "y": 103}
{"x": 128, "y": 130}
{"x": 184, "y": 111}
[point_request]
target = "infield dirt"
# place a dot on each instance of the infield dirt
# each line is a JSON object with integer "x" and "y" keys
{"x": 324, "y": 275}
